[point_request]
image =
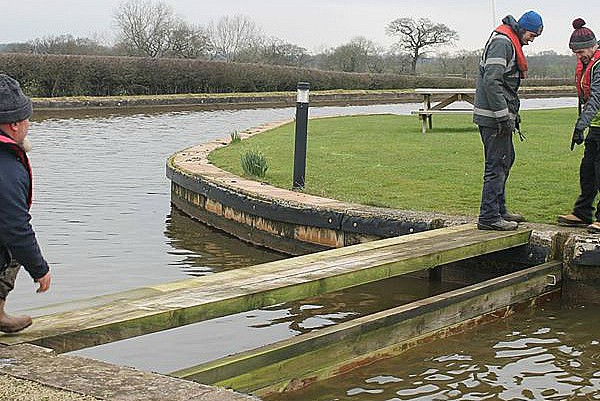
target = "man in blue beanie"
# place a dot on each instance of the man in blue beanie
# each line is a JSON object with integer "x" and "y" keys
{"x": 496, "y": 112}
{"x": 18, "y": 244}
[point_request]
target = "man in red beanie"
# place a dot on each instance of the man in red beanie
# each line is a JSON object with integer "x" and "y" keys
{"x": 18, "y": 244}
{"x": 585, "y": 46}
{"x": 496, "y": 112}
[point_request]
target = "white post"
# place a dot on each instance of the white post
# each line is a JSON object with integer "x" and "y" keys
{"x": 494, "y": 23}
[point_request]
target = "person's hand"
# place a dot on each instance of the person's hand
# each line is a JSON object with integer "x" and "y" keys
{"x": 577, "y": 138}
{"x": 506, "y": 127}
{"x": 44, "y": 283}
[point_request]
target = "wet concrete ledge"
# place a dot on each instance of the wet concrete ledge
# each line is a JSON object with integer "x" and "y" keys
{"x": 63, "y": 377}
{"x": 257, "y": 100}
{"x": 297, "y": 223}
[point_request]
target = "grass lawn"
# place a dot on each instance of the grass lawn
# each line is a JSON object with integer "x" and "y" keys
{"x": 384, "y": 160}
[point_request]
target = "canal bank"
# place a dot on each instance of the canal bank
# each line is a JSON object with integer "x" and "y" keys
{"x": 263, "y": 100}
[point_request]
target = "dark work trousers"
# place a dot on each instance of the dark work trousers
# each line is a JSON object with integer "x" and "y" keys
{"x": 499, "y": 157}
{"x": 8, "y": 277}
{"x": 589, "y": 178}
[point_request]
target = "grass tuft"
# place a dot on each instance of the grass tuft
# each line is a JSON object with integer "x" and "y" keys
{"x": 235, "y": 137}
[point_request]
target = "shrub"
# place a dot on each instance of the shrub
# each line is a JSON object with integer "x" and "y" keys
{"x": 254, "y": 163}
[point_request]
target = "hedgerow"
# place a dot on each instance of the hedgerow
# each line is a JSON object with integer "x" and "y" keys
{"x": 68, "y": 75}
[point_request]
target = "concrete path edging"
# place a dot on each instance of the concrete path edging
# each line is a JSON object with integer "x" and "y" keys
{"x": 100, "y": 380}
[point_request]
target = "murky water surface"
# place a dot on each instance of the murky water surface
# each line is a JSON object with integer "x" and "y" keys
{"x": 103, "y": 218}
{"x": 547, "y": 354}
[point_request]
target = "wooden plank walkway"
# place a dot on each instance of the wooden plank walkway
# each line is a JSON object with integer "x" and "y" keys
{"x": 299, "y": 361}
{"x": 193, "y": 300}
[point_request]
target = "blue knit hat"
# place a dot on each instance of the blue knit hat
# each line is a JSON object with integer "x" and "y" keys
{"x": 532, "y": 22}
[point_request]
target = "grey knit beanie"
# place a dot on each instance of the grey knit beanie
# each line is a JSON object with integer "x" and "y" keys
{"x": 14, "y": 105}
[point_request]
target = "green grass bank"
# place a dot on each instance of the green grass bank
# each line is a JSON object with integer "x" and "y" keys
{"x": 384, "y": 160}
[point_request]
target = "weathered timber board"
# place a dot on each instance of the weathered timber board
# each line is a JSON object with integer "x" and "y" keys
{"x": 190, "y": 301}
{"x": 304, "y": 359}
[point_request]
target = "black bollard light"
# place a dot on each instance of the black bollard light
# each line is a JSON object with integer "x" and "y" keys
{"x": 301, "y": 134}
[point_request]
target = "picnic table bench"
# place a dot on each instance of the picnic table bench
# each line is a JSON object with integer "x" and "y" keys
{"x": 450, "y": 96}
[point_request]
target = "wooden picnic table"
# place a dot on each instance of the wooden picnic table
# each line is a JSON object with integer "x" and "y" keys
{"x": 450, "y": 96}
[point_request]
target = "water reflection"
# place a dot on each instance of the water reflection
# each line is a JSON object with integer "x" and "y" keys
{"x": 200, "y": 249}
{"x": 314, "y": 313}
{"x": 550, "y": 354}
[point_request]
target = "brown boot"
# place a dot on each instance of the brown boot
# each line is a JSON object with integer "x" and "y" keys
{"x": 12, "y": 324}
{"x": 570, "y": 220}
{"x": 594, "y": 228}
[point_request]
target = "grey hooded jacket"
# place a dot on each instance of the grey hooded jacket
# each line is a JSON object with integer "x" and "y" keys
{"x": 496, "y": 98}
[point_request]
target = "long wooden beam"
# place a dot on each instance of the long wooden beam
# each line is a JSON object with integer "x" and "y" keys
{"x": 304, "y": 359}
{"x": 193, "y": 300}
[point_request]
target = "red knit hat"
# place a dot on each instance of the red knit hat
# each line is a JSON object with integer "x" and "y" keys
{"x": 582, "y": 37}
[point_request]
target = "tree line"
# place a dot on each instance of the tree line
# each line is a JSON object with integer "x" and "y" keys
{"x": 150, "y": 28}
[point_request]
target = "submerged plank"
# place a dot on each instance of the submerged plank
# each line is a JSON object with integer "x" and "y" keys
{"x": 190, "y": 301}
{"x": 295, "y": 362}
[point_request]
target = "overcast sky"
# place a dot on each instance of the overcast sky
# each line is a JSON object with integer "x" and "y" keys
{"x": 313, "y": 24}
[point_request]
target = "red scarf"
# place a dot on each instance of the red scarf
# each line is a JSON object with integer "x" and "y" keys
{"x": 22, "y": 157}
{"x": 521, "y": 60}
{"x": 583, "y": 77}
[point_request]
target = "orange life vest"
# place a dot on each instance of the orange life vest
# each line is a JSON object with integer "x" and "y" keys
{"x": 583, "y": 77}
{"x": 520, "y": 56}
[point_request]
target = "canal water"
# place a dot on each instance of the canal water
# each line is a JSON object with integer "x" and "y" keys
{"x": 551, "y": 353}
{"x": 103, "y": 217}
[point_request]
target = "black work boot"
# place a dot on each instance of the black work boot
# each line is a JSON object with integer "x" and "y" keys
{"x": 500, "y": 225}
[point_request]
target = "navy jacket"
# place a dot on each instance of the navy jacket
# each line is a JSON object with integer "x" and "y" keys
{"x": 17, "y": 238}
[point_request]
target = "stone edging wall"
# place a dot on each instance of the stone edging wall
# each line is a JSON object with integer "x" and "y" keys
{"x": 281, "y": 99}
{"x": 297, "y": 223}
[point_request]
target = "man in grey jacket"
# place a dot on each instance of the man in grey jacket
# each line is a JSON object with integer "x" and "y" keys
{"x": 496, "y": 112}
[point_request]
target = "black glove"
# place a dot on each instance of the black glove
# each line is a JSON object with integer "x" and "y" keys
{"x": 577, "y": 138}
{"x": 506, "y": 127}
{"x": 518, "y": 123}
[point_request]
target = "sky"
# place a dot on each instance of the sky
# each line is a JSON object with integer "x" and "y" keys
{"x": 312, "y": 24}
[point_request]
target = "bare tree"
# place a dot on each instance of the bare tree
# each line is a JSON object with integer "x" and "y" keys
{"x": 231, "y": 36}
{"x": 145, "y": 26}
{"x": 67, "y": 44}
{"x": 417, "y": 36}
{"x": 276, "y": 51}
{"x": 359, "y": 55}
{"x": 188, "y": 41}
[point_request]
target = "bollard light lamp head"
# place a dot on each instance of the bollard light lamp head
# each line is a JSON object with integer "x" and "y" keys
{"x": 303, "y": 89}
